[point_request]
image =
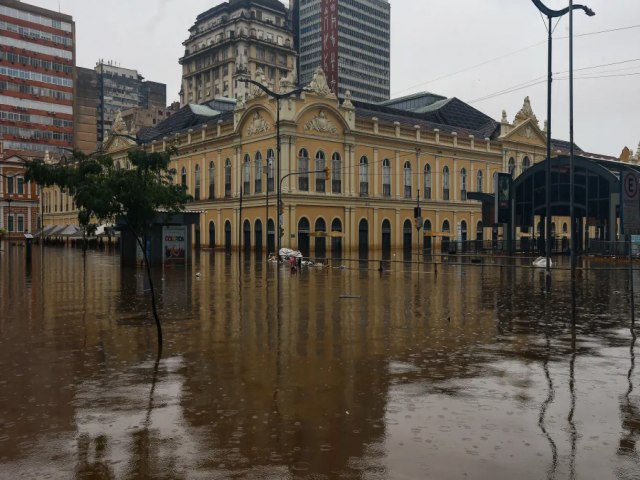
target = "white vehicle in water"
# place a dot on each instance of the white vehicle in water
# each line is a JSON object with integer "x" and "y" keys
{"x": 287, "y": 253}
{"x": 541, "y": 262}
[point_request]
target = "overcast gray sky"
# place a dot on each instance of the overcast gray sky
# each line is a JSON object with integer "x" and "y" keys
{"x": 431, "y": 40}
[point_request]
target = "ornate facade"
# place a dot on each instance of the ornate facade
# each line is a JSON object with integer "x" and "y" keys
{"x": 232, "y": 41}
{"x": 383, "y": 162}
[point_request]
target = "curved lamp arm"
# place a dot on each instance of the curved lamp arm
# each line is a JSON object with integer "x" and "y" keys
{"x": 272, "y": 93}
{"x": 558, "y": 13}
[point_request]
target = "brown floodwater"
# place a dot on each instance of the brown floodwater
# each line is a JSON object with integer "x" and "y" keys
{"x": 342, "y": 373}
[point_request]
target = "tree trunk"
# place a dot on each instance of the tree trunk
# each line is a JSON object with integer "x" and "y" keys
{"x": 153, "y": 294}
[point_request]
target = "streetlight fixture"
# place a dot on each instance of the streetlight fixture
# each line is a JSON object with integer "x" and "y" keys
{"x": 277, "y": 97}
{"x": 551, "y": 14}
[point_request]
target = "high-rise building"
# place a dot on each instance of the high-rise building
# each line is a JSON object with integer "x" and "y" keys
{"x": 123, "y": 88}
{"x": 232, "y": 41}
{"x": 358, "y": 33}
{"x": 85, "y": 107}
{"x": 37, "y": 66}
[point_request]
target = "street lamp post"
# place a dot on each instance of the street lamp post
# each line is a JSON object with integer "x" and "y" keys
{"x": 277, "y": 97}
{"x": 551, "y": 14}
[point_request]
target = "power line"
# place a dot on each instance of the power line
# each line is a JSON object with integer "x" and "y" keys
{"x": 538, "y": 80}
{"x": 515, "y": 52}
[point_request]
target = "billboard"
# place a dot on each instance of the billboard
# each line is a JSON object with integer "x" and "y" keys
{"x": 502, "y": 189}
{"x": 630, "y": 190}
{"x": 329, "y": 12}
{"x": 174, "y": 244}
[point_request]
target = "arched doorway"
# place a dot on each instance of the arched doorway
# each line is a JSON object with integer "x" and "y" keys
{"x": 258, "y": 232}
{"x": 463, "y": 235}
{"x": 271, "y": 236}
{"x": 320, "y": 239}
{"x": 336, "y": 241}
{"x": 304, "y": 236}
{"x": 212, "y": 235}
{"x": 386, "y": 239}
{"x": 246, "y": 230}
{"x": 479, "y": 236}
{"x": 446, "y": 231}
{"x": 227, "y": 236}
{"x": 407, "y": 235}
{"x": 363, "y": 238}
{"x": 426, "y": 246}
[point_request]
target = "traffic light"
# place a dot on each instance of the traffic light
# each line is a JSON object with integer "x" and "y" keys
{"x": 417, "y": 212}
{"x": 281, "y": 232}
{"x": 327, "y": 172}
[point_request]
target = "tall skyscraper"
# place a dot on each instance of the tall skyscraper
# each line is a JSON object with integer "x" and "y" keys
{"x": 350, "y": 40}
{"x": 123, "y": 88}
{"x": 37, "y": 67}
{"x": 232, "y": 41}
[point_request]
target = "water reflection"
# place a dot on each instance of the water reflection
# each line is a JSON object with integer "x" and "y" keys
{"x": 329, "y": 373}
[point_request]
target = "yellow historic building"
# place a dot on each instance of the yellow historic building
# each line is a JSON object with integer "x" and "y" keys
{"x": 383, "y": 160}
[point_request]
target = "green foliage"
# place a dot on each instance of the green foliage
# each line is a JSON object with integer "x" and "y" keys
{"x": 3, "y": 232}
{"x": 103, "y": 192}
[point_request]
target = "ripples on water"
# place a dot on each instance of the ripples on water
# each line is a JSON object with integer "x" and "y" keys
{"x": 471, "y": 373}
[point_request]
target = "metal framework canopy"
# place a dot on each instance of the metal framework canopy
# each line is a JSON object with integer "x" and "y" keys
{"x": 596, "y": 198}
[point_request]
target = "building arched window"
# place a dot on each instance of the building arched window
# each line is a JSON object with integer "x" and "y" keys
{"x": 463, "y": 184}
{"x": 227, "y": 178}
{"x": 512, "y": 166}
{"x": 479, "y": 182}
{"x": 445, "y": 227}
{"x": 303, "y": 170}
{"x": 246, "y": 175}
{"x": 183, "y": 177}
{"x": 336, "y": 173}
{"x": 321, "y": 178}
{"x": 407, "y": 179}
{"x": 212, "y": 180}
{"x": 196, "y": 180}
{"x": 427, "y": 182}
{"x": 445, "y": 183}
{"x": 258, "y": 173}
{"x": 386, "y": 177}
{"x": 271, "y": 165}
{"x": 364, "y": 176}
{"x": 526, "y": 163}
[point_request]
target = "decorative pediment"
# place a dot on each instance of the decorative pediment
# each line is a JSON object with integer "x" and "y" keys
{"x": 527, "y": 132}
{"x": 319, "y": 84}
{"x": 525, "y": 113}
{"x": 320, "y": 123}
{"x": 257, "y": 125}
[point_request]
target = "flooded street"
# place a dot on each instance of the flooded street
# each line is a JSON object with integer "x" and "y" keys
{"x": 346, "y": 373}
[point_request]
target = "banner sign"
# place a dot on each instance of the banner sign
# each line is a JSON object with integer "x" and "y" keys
{"x": 630, "y": 190}
{"x": 329, "y": 11}
{"x": 174, "y": 244}
{"x": 502, "y": 189}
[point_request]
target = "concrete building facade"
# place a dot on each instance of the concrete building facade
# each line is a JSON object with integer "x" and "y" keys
{"x": 232, "y": 41}
{"x": 37, "y": 65}
{"x": 120, "y": 89}
{"x": 364, "y": 45}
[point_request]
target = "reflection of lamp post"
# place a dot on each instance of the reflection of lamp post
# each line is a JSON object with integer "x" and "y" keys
{"x": 551, "y": 14}
{"x": 277, "y": 97}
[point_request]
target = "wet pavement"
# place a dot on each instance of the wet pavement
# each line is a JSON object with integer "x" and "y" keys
{"x": 341, "y": 373}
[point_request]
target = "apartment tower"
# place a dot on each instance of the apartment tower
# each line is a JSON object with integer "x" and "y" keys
{"x": 37, "y": 60}
{"x": 350, "y": 40}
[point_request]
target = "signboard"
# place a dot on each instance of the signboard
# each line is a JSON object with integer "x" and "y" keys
{"x": 174, "y": 244}
{"x": 502, "y": 189}
{"x": 329, "y": 11}
{"x": 630, "y": 189}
